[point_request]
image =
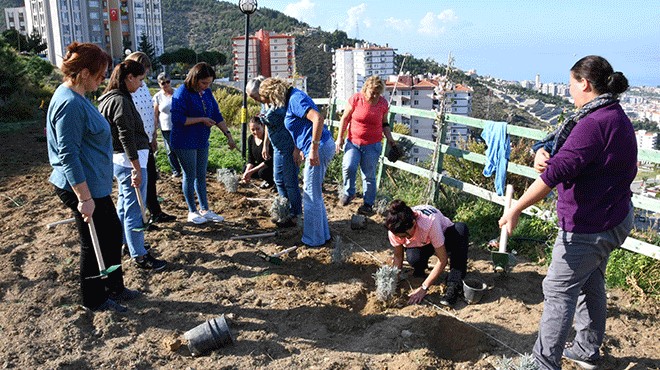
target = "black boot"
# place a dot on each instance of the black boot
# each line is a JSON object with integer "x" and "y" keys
{"x": 454, "y": 290}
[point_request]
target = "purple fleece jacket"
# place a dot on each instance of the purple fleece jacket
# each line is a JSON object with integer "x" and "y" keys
{"x": 593, "y": 171}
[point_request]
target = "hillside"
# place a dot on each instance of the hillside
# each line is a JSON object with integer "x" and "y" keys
{"x": 209, "y": 25}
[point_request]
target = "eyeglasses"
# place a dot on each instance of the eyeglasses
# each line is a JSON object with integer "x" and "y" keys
{"x": 165, "y": 82}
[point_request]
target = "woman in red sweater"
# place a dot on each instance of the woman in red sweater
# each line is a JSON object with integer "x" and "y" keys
{"x": 366, "y": 119}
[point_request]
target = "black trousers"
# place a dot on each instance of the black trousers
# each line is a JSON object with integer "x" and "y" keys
{"x": 266, "y": 174}
{"x": 152, "y": 193}
{"x": 457, "y": 238}
{"x": 95, "y": 291}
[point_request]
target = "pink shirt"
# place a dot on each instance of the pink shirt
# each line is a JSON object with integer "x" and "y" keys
{"x": 429, "y": 229}
{"x": 366, "y": 121}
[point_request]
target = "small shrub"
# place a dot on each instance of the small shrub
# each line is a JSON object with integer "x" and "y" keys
{"x": 279, "y": 210}
{"x": 229, "y": 179}
{"x": 340, "y": 252}
{"x": 386, "y": 280}
{"x": 382, "y": 204}
{"x": 525, "y": 362}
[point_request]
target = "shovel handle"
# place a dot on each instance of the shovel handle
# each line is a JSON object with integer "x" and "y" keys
{"x": 97, "y": 246}
{"x": 286, "y": 251}
{"x": 60, "y": 222}
{"x": 143, "y": 210}
{"x": 507, "y": 204}
{"x": 249, "y": 236}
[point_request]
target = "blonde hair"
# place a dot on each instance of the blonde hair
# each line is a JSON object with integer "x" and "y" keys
{"x": 274, "y": 90}
{"x": 373, "y": 84}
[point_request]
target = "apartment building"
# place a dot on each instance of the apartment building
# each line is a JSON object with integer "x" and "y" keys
{"x": 646, "y": 140}
{"x": 113, "y": 25}
{"x": 420, "y": 92}
{"x": 270, "y": 55}
{"x": 353, "y": 65}
{"x": 15, "y": 19}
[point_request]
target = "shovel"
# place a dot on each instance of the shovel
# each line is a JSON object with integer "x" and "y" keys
{"x": 103, "y": 272}
{"x": 60, "y": 222}
{"x": 143, "y": 210}
{"x": 275, "y": 258}
{"x": 501, "y": 259}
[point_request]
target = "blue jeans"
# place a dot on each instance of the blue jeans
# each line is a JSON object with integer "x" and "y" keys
{"x": 285, "y": 174}
{"x": 171, "y": 155}
{"x": 367, "y": 157}
{"x": 316, "y": 230}
{"x": 193, "y": 163}
{"x": 575, "y": 288}
{"x": 128, "y": 209}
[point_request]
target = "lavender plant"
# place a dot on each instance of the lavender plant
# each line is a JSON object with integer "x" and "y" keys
{"x": 340, "y": 252}
{"x": 279, "y": 210}
{"x": 229, "y": 179}
{"x": 386, "y": 279}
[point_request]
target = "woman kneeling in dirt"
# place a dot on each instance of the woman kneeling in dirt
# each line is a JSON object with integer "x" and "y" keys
{"x": 80, "y": 152}
{"x": 424, "y": 231}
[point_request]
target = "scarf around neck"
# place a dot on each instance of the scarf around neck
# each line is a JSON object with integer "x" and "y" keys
{"x": 560, "y": 135}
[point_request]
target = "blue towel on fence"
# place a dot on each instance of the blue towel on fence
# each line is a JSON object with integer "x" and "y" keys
{"x": 497, "y": 153}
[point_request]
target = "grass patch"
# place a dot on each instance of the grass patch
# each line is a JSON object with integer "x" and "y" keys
{"x": 11, "y": 127}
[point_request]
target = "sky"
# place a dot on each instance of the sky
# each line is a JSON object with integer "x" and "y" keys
{"x": 508, "y": 39}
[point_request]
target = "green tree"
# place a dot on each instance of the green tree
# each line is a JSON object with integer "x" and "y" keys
{"x": 214, "y": 58}
{"x": 35, "y": 43}
{"x": 37, "y": 69}
{"x": 146, "y": 47}
{"x": 15, "y": 40}
{"x": 12, "y": 73}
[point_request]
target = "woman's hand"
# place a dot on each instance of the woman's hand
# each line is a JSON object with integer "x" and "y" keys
{"x": 208, "y": 122}
{"x": 87, "y": 208}
{"x": 509, "y": 220}
{"x": 136, "y": 178}
{"x": 540, "y": 160}
{"x": 265, "y": 153}
{"x": 298, "y": 156}
{"x": 417, "y": 296}
{"x": 339, "y": 145}
{"x": 314, "y": 157}
{"x": 230, "y": 142}
{"x": 246, "y": 176}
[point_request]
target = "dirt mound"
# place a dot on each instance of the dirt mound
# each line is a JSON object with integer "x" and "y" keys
{"x": 308, "y": 312}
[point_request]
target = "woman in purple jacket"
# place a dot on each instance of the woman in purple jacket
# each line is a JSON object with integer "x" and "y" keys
{"x": 592, "y": 163}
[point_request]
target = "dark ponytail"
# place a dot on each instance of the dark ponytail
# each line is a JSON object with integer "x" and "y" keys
{"x": 400, "y": 217}
{"x": 121, "y": 72}
{"x": 598, "y": 71}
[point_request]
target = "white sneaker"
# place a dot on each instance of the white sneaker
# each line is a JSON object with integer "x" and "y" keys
{"x": 196, "y": 218}
{"x": 211, "y": 216}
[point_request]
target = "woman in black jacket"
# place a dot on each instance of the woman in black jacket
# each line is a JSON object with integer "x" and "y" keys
{"x": 130, "y": 146}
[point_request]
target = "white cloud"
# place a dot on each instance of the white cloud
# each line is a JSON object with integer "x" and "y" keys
{"x": 398, "y": 24}
{"x": 303, "y": 10}
{"x": 432, "y": 24}
{"x": 447, "y": 16}
{"x": 356, "y": 18}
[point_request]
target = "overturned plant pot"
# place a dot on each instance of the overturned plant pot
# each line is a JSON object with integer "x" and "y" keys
{"x": 358, "y": 222}
{"x": 210, "y": 335}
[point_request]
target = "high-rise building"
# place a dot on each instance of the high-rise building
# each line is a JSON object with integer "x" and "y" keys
{"x": 113, "y": 25}
{"x": 15, "y": 19}
{"x": 269, "y": 54}
{"x": 420, "y": 92}
{"x": 353, "y": 65}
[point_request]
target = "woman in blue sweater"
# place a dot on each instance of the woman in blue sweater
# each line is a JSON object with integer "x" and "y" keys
{"x": 80, "y": 152}
{"x": 194, "y": 111}
{"x": 592, "y": 162}
{"x": 313, "y": 144}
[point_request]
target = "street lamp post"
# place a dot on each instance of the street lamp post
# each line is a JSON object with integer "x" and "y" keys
{"x": 247, "y": 7}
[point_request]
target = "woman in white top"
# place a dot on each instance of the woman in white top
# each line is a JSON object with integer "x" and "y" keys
{"x": 162, "y": 103}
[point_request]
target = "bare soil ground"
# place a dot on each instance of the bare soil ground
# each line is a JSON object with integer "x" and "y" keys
{"x": 307, "y": 312}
